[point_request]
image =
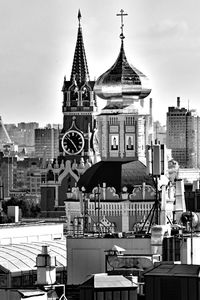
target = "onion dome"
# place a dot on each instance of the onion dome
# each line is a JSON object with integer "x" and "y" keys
{"x": 122, "y": 79}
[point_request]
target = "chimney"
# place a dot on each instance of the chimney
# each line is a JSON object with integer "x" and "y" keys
{"x": 178, "y": 102}
{"x": 46, "y": 267}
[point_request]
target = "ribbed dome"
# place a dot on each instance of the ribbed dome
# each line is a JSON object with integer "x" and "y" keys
{"x": 115, "y": 174}
{"x": 122, "y": 80}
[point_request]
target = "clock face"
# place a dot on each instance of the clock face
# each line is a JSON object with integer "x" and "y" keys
{"x": 72, "y": 142}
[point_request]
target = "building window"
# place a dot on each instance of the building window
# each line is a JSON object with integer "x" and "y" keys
{"x": 16, "y": 281}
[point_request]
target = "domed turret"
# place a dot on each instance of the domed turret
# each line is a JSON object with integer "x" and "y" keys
{"x": 124, "y": 122}
{"x": 122, "y": 80}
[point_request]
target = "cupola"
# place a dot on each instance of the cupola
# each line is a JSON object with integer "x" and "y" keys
{"x": 122, "y": 80}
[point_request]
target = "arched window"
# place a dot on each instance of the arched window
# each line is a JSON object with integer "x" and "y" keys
{"x": 85, "y": 94}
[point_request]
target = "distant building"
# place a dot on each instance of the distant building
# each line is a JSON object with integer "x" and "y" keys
{"x": 47, "y": 142}
{"x": 20, "y": 177}
{"x": 7, "y": 145}
{"x": 28, "y": 178}
{"x": 7, "y": 166}
{"x": 159, "y": 132}
{"x": 23, "y": 135}
{"x": 183, "y": 129}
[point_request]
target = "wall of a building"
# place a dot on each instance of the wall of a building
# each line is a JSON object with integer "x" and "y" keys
{"x": 15, "y": 295}
{"x": 188, "y": 256}
{"x": 87, "y": 255}
{"x": 15, "y": 234}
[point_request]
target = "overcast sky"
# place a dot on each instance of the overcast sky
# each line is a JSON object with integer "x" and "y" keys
{"x": 38, "y": 40}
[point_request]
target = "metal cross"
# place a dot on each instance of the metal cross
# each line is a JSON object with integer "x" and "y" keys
{"x": 122, "y": 23}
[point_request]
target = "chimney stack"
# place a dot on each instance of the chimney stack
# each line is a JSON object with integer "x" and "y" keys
{"x": 46, "y": 267}
{"x": 178, "y": 102}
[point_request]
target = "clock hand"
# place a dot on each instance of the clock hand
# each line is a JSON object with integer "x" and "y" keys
{"x": 72, "y": 143}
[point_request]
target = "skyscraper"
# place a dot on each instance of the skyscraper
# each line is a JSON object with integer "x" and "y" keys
{"x": 183, "y": 129}
{"x": 47, "y": 142}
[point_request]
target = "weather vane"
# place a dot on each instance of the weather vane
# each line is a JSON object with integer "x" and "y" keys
{"x": 122, "y": 22}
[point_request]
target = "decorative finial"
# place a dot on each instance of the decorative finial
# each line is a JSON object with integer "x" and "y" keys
{"x": 122, "y": 23}
{"x": 79, "y": 16}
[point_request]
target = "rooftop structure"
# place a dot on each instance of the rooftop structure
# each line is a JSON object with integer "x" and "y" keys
{"x": 30, "y": 232}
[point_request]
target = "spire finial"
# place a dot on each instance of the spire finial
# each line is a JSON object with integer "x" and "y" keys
{"x": 122, "y": 22}
{"x": 79, "y": 16}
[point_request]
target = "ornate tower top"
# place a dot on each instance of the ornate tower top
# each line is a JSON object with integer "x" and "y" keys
{"x": 122, "y": 80}
{"x": 80, "y": 73}
{"x": 79, "y": 102}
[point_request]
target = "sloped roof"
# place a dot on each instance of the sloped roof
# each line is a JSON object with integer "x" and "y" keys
{"x": 175, "y": 270}
{"x": 104, "y": 280}
{"x": 22, "y": 257}
{"x": 30, "y": 293}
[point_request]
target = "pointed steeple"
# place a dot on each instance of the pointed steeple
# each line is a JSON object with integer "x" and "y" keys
{"x": 80, "y": 73}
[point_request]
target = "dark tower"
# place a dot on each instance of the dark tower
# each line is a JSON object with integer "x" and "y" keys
{"x": 79, "y": 106}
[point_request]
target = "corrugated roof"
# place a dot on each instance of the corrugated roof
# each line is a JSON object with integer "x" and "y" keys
{"x": 22, "y": 257}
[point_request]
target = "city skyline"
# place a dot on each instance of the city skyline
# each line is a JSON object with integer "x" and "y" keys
{"x": 38, "y": 41}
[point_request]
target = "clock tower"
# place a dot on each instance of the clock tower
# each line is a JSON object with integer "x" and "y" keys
{"x": 75, "y": 141}
{"x": 79, "y": 106}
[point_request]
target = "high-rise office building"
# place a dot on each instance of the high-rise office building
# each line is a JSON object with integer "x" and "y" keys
{"x": 47, "y": 142}
{"x": 183, "y": 128}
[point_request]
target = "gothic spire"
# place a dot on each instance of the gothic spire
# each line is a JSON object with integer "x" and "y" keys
{"x": 80, "y": 73}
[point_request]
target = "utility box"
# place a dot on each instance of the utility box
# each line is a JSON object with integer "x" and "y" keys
{"x": 168, "y": 281}
{"x": 15, "y": 213}
{"x": 113, "y": 287}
